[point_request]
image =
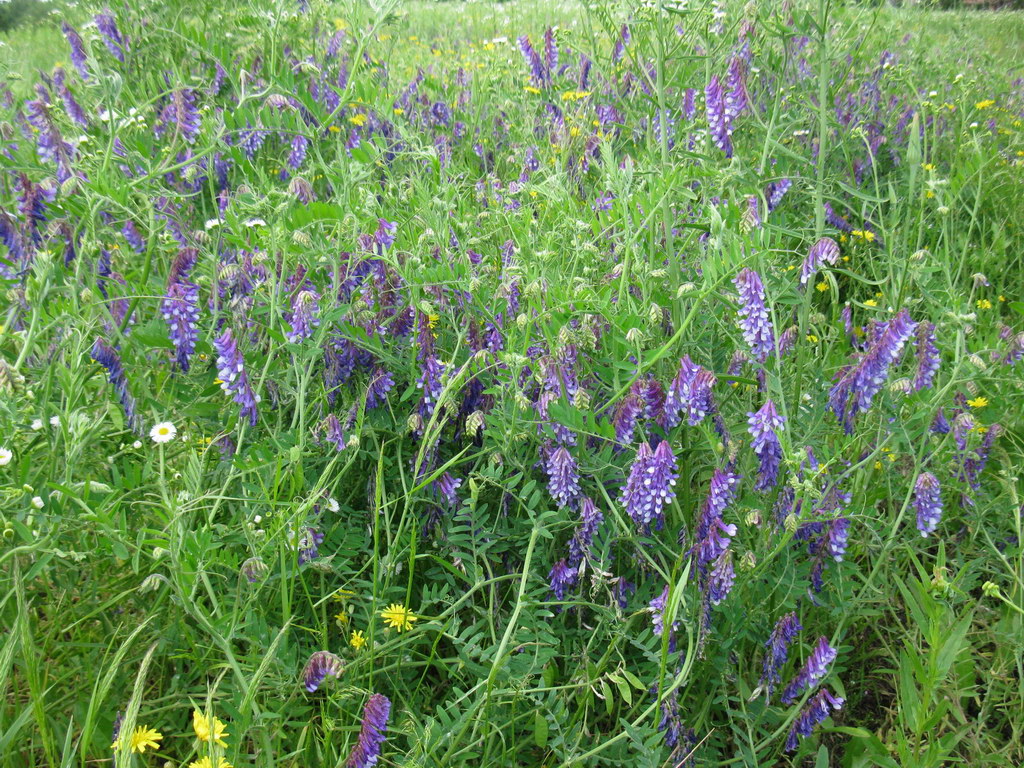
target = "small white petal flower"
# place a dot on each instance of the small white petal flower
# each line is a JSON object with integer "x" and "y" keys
{"x": 332, "y": 504}
{"x": 55, "y": 421}
{"x": 5, "y": 457}
{"x": 163, "y": 432}
{"x": 37, "y": 424}
{"x": 37, "y": 502}
{"x": 137, "y": 444}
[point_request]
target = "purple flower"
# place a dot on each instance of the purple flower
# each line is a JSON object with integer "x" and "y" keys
{"x": 657, "y": 609}
{"x": 1015, "y": 350}
{"x": 818, "y": 708}
{"x": 372, "y": 733}
{"x": 621, "y": 44}
{"x": 381, "y": 382}
{"x": 308, "y": 545}
{"x": 689, "y": 392}
{"x": 582, "y": 541}
{"x": 753, "y": 314}
{"x": 860, "y": 382}
{"x": 181, "y": 116}
{"x": 180, "y": 308}
{"x": 785, "y": 631}
{"x": 533, "y": 61}
{"x": 813, "y": 671}
{"x": 775, "y": 191}
{"x": 625, "y": 419}
{"x": 766, "y": 445}
{"x": 562, "y": 578}
{"x": 928, "y": 360}
{"x": 253, "y": 570}
{"x": 234, "y": 380}
{"x": 303, "y": 317}
{"x": 563, "y": 475}
{"x": 736, "y": 101}
{"x": 718, "y": 119}
{"x": 107, "y": 26}
{"x": 835, "y": 220}
{"x": 78, "y": 57}
{"x": 721, "y": 579}
{"x": 107, "y": 356}
{"x": 334, "y": 433}
{"x": 927, "y": 502}
{"x": 650, "y": 484}
{"x": 836, "y": 538}
{"x": 72, "y": 107}
{"x": 320, "y": 665}
{"x": 300, "y": 144}
{"x": 447, "y": 486}
{"x": 825, "y": 251}
{"x": 751, "y": 217}
{"x": 550, "y": 51}
{"x": 133, "y": 236}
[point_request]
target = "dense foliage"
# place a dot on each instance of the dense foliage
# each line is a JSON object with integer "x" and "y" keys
{"x": 511, "y": 384}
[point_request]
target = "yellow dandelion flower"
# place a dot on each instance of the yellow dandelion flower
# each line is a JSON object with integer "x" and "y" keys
{"x": 341, "y": 617}
{"x": 531, "y": 89}
{"x": 870, "y": 303}
{"x": 142, "y": 739}
{"x": 929, "y": 194}
{"x": 985, "y": 104}
{"x": 983, "y": 304}
{"x": 812, "y": 338}
{"x": 357, "y": 640}
{"x": 928, "y": 166}
{"x": 334, "y": 129}
{"x": 209, "y": 729}
{"x": 878, "y": 465}
{"x": 205, "y": 762}
{"x": 1002, "y": 298}
{"x": 358, "y": 120}
{"x": 822, "y": 286}
{"x": 398, "y": 617}
{"x": 978, "y": 402}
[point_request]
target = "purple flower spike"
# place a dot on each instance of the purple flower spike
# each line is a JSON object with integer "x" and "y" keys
{"x": 381, "y": 382}
{"x": 234, "y": 380}
{"x": 563, "y": 476}
{"x": 928, "y": 503}
{"x": 860, "y": 382}
{"x": 721, "y": 579}
{"x": 650, "y": 484}
{"x": 180, "y": 308}
{"x": 718, "y": 119}
{"x": 689, "y": 392}
{"x": 372, "y": 733}
{"x": 303, "y": 318}
{"x": 657, "y": 609}
{"x": 775, "y": 191}
{"x": 813, "y": 672}
{"x": 766, "y": 445}
{"x": 736, "y": 100}
{"x": 107, "y": 356}
{"x": 581, "y": 543}
{"x": 928, "y": 360}
{"x": 180, "y": 117}
{"x": 754, "y": 320}
{"x": 825, "y": 251}
{"x": 320, "y": 665}
{"x": 107, "y": 26}
{"x": 786, "y": 630}
{"x": 562, "y": 578}
{"x": 626, "y": 415}
{"x": 817, "y": 710}
{"x": 837, "y": 537}
{"x": 1015, "y": 350}
{"x": 78, "y": 57}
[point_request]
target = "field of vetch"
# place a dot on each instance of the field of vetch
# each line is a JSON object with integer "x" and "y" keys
{"x": 511, "y": 384}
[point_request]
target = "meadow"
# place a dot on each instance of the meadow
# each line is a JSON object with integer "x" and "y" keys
{"x": 511, "y": 384}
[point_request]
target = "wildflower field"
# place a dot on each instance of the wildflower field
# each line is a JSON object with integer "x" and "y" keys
{"x": 511, "y": 384}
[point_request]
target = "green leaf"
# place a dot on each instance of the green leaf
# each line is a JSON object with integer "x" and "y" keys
{"x": 540, "y": 729}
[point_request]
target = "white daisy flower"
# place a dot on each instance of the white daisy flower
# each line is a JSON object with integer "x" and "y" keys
{"x": 163, "y": 432}
{"x": 332, "y": 504}
{"x": 5, "y": 457}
